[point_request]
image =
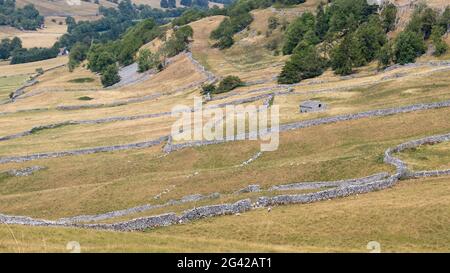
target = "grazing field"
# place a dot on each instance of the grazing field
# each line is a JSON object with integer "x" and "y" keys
{"x": 406, "y": 218}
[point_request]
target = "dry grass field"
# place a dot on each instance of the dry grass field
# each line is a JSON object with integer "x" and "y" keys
{"x": 55, "y": 27}
{"x": 61, "y": 8}
{"x": 9, "y": 84}
{"x": 413, "y": 216}
{"x": 30, "y": 68}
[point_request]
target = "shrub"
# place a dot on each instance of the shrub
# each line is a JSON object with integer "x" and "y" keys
{"x": 110, "y": 75}
{"x": 208, "y": 88}
{"x": 85, "y": 98}
{"x": 147, "y": 60}
{"x": 229, "y": 83}
{"x": 408, "y": 46}
{"x": 82, "y": 80}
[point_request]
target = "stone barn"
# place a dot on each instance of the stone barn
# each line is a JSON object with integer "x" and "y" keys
{"x": 311, "y": 106}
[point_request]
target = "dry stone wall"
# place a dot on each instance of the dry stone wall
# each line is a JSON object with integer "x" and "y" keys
{"x": 139, "y": 145}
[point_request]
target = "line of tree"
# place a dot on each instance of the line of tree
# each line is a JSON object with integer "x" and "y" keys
{"x": 12, "y": 49}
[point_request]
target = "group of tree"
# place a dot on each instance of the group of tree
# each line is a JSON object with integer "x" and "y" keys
{"x": 177, "y": 43}
{"x": 115, "y": 39}
{"x": 121, "y": 52}
{"x": 81, "y": 35}
{"x": 27, "y": 18}
{"x": 426, "y": 25}
{"x": 114, "y": 23}
{"x": 351, "y": 33}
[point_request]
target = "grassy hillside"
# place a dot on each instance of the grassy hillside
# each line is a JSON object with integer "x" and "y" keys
{"x": 407, "y": 218}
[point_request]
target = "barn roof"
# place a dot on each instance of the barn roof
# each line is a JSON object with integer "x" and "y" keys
{"x": 311, "y": 103}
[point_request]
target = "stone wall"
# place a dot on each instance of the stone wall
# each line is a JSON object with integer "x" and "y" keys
{"x": 138, "y": 209}
{"x": 322, "y": 184}
{"x": 139, "y": 145}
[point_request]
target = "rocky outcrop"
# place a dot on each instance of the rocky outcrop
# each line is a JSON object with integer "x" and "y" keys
{"x": 25, "y": 171}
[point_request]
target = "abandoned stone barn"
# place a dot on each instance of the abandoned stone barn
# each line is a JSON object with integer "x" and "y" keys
{"x": 311, "y": 106}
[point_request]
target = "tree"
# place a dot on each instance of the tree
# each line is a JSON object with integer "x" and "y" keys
{"x": 16, "y": 43}
{"x": 78, "y": 53}
{"x": 5, "y": 46}
{"x": 273, "y": 22}
{"x": 346, "y": 55}
{"x": 371, "y": 37}
{"x": 385, "y": 56}
{"x": 229, "y": 83}
{"x": 208, "y": 89}
{"x": 172, "y": 4}
{"x": 186, "y": 3}
{"x": 224, "y": 42}
{"x": 444, "y": 20}
{"x": 347, "y": 15}
{"x": 99, "y": 58}
{"x": 408, "y": 46}
{"x": 164, "y": 4}
{"x": 389, "y": 17}
{"x": 179, "y": 41}
{"x": 110, "y": 75}
{"x": 429, "y": 19}
{"x": 436, "y": 36}
{"x": 147, "y": 60}
{"x": 304, "y": 63}
{"x": 296, "y": 30}
{"x": 322, "y": 20}
{"x": 422, "y": 21}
